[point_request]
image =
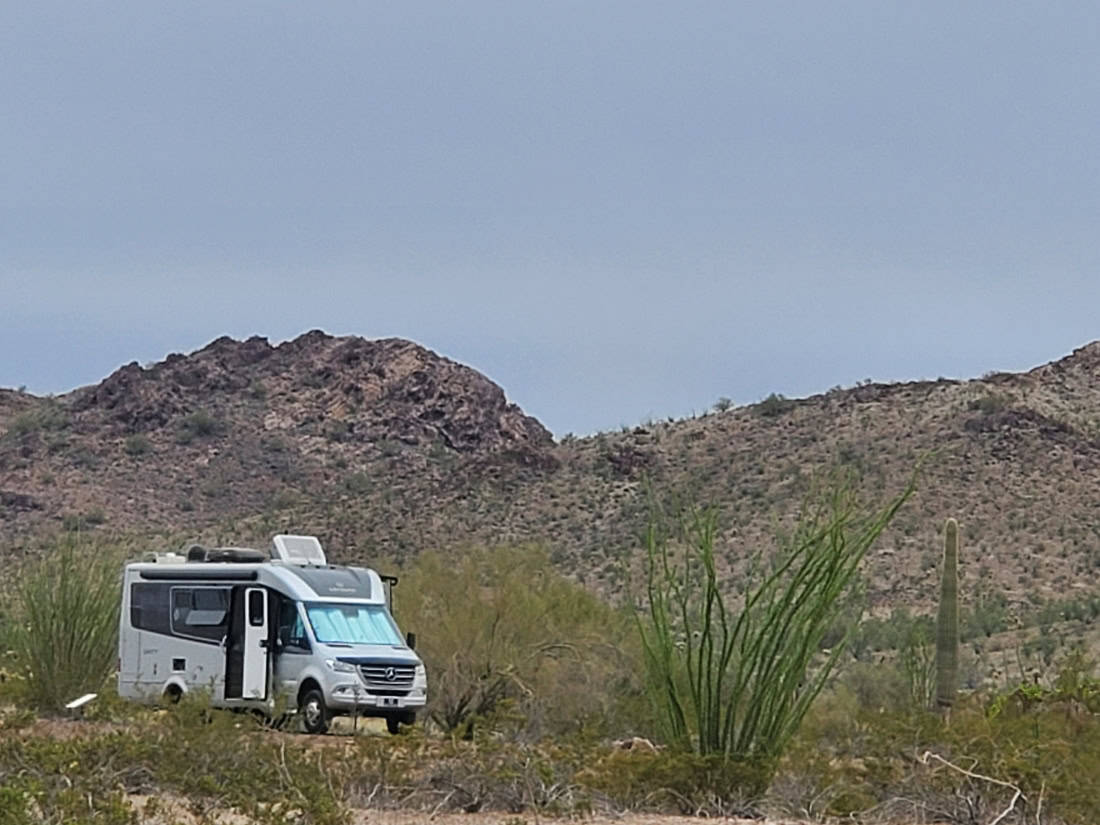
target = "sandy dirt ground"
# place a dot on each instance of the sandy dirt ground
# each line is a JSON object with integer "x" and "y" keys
{"x": 409, "y": 818}
{"x": 161, "y": 810}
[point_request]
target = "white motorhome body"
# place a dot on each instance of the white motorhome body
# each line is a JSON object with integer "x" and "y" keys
{"x": 289, "y": 631}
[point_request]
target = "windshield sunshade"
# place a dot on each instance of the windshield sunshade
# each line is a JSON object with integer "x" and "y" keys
{"x": 352, "y": 624}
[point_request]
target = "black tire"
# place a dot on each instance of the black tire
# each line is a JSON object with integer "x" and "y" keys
{"x": 395, "y": 724}
{"x": 314, "y": 713}
{"x": 172, "y": 695}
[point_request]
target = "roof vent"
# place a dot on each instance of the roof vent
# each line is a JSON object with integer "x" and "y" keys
{"x": 298, "y": 550}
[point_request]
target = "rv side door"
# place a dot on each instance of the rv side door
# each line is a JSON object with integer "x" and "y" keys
{"x": 255, "y": 670}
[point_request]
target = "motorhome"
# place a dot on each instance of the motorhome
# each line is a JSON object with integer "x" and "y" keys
{"x": 269, "y": 633}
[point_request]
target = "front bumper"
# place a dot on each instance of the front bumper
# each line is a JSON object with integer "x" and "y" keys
{"x": 352, "y": 698}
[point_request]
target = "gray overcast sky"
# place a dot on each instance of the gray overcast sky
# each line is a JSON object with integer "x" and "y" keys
{"x": 616, "y": 210}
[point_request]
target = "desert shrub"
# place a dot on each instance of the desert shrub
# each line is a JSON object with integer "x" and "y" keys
{"x": 890, "y": 633}
{"x": 735, "y": 678}
{"x": 880, "y": 685}
{"x": 336, "y": 429}
{"x": 917, "y": 662}
{"x": 774, "y": 406}
{"x": 138, "y": 444}
{"x": 359, "y": 483}
{"x": 991, "y": 402}
{"x": 75, "y": 522}
{"x": 47, "y": 415}
{"x": 65, "y": 625}
{"x": 686, "y": 783}
{"x": 215, "y": 762}
{"x": 916, "y": 766}
{"x": 199, "y": 424}
{"x": 501, "y": 630}
{"x": 988, "y": 614}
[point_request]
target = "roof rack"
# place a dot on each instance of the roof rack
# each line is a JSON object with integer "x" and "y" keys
{"x": 198, "y": 553}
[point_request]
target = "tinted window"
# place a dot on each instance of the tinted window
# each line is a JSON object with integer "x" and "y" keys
{"x": 149, "y": 607}
{"x": 200, "y": 612}
{"x": 256, "y": 607}
{"x": 292, "y": 630}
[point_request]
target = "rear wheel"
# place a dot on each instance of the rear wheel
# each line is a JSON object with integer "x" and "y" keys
{"x": 172, "y": 695}
{"x": 311, "y": 707}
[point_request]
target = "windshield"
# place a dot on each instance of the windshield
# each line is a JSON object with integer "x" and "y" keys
{"x": 352, "y": 624}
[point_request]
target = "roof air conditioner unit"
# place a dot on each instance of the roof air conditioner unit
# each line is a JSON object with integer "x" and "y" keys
{"x": 299, "y": 550}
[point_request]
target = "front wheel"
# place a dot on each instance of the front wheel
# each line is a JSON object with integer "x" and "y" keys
{"x": 312, "y": 709}
{"x": 394, "y": 723}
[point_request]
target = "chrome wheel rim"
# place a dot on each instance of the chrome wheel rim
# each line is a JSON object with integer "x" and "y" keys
{"x": 313, "y": 712}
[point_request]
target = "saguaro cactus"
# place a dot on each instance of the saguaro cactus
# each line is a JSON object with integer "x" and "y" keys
{"x": 947, "y": 622}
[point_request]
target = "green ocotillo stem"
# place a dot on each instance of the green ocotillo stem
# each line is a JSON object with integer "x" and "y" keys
{"x": 947, "y": 622}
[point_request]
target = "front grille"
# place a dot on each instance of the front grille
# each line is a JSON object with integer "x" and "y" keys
{"x": 387, "y": 677}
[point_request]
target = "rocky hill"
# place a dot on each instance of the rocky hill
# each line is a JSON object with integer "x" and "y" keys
{"x": 385, "y": 448}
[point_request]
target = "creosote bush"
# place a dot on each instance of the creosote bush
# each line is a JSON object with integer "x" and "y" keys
{"x": 64, "y": 626}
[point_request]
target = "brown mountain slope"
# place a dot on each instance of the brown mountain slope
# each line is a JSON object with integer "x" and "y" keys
{"x": 385, "y": 448}
{"x": 237, "y": 427}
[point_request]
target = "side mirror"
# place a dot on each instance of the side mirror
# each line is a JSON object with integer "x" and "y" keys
{"x": 410, "y": 640}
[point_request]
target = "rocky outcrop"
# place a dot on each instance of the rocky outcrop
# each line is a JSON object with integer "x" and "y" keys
{"x": 371, "y": 391}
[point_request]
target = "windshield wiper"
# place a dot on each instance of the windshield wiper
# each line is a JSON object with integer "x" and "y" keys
{"x": 337, "y": 644}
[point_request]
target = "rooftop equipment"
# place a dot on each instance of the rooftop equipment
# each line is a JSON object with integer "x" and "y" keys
{"x": 303, "y": 550}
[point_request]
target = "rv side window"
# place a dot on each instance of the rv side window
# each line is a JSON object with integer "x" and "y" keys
{"x": 149, "y": 607}
{"x": 200, "y": 612}
{"x": 292, "y": 630}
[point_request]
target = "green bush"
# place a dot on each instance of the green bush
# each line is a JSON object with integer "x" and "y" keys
{"x": 216, "y": 762}
{"x": 674, "y": 780}
{"x": 851, "y": 757}
{"x": 991, "y": 402}
{"x": 65, "y": 625}
{"x": 199, "y": 424}
{"x": 138, "y": 444}
{"x": 774, "y": 406}
{"x": 47, "y": 415}
{"x": 502, "y": 633}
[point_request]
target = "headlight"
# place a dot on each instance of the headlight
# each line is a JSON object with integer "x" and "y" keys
{"x": 421, "y": 672}
{"x": 337, "y": 666}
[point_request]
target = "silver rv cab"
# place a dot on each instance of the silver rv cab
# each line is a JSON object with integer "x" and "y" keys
{"x": 266, "y": 633}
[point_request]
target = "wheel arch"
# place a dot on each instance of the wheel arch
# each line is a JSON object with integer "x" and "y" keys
{"x": 174, "y": 689}
{"x": 308, "y": 683}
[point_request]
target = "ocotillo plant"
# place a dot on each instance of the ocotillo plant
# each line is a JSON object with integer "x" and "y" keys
{"x": 733, "y": 678}
{"x": 947, "y": 622}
